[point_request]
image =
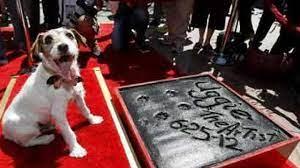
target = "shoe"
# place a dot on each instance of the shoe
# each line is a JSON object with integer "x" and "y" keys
{"x": 247, "y": 36}
{"x": 97, "y": 51}
{"x": 3, "y": 61}
{"x": 143, "y": 48}
{"x": 254, "y": 44}
{"x": 207, "y": 48}
{"x": 197, "y": 46}
{"x": 167, "y": 41}
{"x": 177, "y": 49}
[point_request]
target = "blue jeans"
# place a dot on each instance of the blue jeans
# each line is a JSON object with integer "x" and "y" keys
{"x": 126, "y": 19}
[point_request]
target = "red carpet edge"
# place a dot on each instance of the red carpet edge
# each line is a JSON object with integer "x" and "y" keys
{"x": 119, "y": 126}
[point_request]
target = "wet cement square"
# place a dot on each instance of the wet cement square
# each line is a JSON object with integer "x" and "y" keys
{"x": 197, "y": 122}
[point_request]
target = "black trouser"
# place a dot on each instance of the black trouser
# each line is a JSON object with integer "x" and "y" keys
{"x": 265, "y": 23}
{"x": 51, "y": 13}
{"x": 245, "y": 14}
{"x": 126, "y": 19}
{"x": 263, "y": 28}
{"x": 158, "y": 11}
{"x": 31, "y": 8}
{"x": 215, "y": 9}
{"x": 285, "y": 42}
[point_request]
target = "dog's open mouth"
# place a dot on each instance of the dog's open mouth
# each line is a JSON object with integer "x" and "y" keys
{"x": 64, "y": 64}
{"x": 64, "y": 71}
{"x": 64, "y": 58}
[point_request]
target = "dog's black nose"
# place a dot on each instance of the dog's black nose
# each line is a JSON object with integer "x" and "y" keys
{"x": 63, "y": 48}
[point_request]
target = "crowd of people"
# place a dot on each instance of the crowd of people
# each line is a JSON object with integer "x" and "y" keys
{"x": 132, "y": 19}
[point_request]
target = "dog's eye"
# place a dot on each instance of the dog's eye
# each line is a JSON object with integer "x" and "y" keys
{"x": 48, "y": 40}
{"x": 70, "y": 36}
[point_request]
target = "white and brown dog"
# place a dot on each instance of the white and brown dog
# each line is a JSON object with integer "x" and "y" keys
{"x": 46, "y": 93}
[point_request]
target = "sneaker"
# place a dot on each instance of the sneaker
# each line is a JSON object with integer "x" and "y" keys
{"x": 3, "y": 61}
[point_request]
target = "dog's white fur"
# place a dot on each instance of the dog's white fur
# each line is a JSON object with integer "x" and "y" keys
{"x": 39, "y": 103}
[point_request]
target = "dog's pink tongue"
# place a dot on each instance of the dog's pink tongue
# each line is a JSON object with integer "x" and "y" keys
{"x": 65, "y": 68}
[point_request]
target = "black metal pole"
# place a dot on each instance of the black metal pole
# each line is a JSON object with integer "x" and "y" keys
{"x": 230, "y": 24}
{"x": 233, "y": 15}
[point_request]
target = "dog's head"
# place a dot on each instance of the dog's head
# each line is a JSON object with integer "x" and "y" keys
{"x": 59, "y": 45}
{"x": 58, "y": 49}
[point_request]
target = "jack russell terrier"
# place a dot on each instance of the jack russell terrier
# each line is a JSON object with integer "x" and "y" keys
{"x": 45, "y": 95}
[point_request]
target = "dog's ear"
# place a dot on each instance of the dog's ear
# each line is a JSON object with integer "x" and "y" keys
{"x": 37, "y": 44}
{"x": 80, "y": 39}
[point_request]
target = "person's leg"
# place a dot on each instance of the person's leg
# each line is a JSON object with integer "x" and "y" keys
{"x": 157, "y": 13}
{"x": 51, "y": 13}
{"x": 19, "y": 38}
{"x": 217, "y": 18}
{"x": 119, "y": 37}
{"x": 32, "y": 10}
{"x": 263, "y": 28}
{"x": 184, "y": 9}
{"x": 201, "y": 35}
{"x": 199, "y": 20}
{"x": 282, "y": 44}
{"x": 170, "y": 9}
{"x": 140, "y": 20}
{"x": 209, "y": 34}
{"x": 121, "y": 28}
{"x": 245, "y": 14}
{"x": 210, "y": 31}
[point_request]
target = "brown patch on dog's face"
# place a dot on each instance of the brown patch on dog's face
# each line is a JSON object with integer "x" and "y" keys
{"x": 80, "y": 39}
{"x": 58, "y": 49}
{"x": 37, "y": 45}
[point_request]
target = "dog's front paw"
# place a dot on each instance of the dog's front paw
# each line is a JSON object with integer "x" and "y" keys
{"x": 95, "y": 119}
{"x": 78, "y": 151}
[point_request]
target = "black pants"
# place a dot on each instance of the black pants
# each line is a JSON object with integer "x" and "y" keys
{"x": 216, "y": 9}
{"x": 31, "y": 9}
{"x": 265, "y": 23}
{"x": 245, "y": 14}
{"x": 51, "y": 13}
{"x": 286, "y": 41}
{"x": 126, "y": 19}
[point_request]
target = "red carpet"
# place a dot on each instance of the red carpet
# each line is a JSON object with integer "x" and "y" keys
{"x": 101, "y": 141}
{"x": 271, "y": 159}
